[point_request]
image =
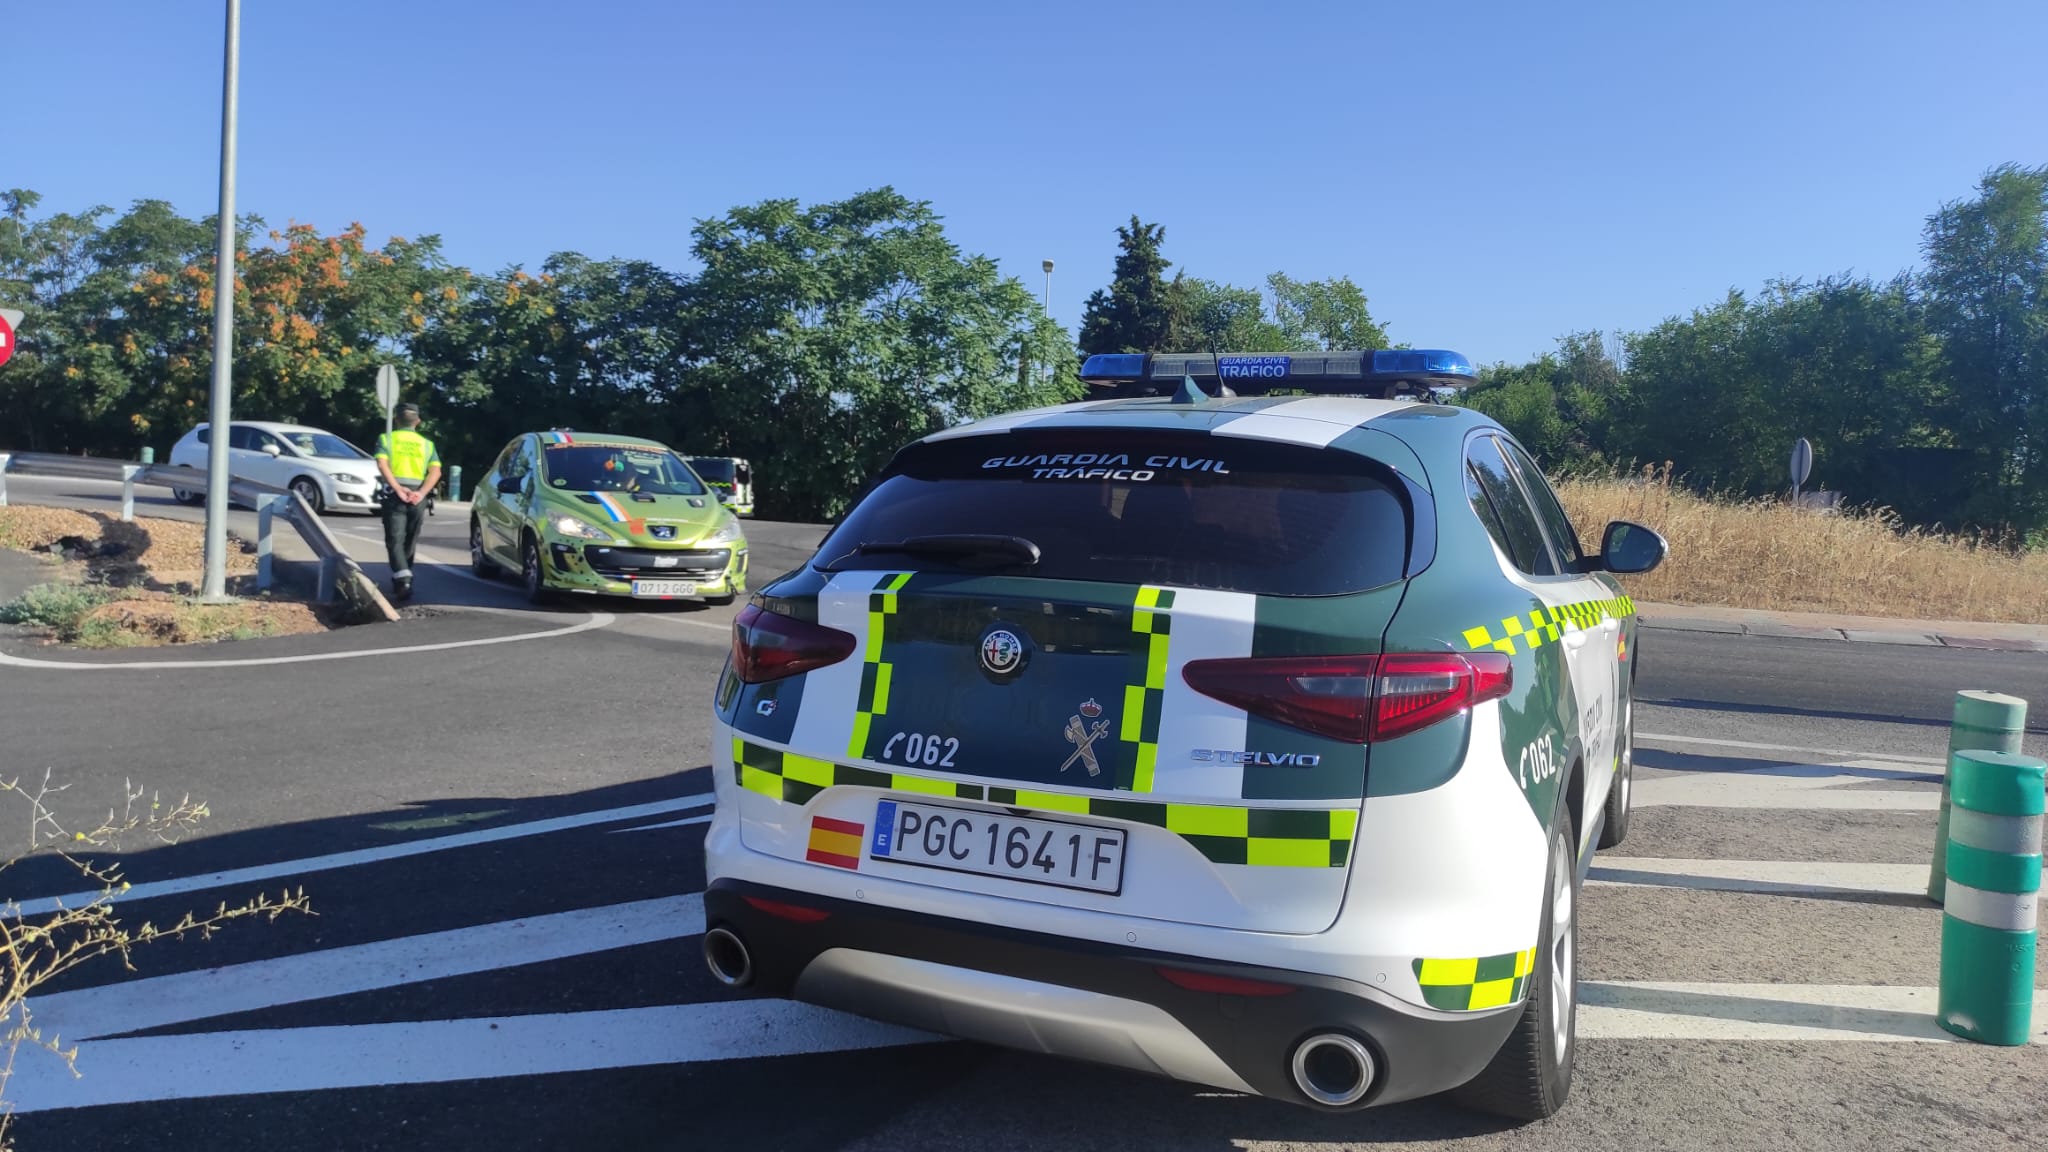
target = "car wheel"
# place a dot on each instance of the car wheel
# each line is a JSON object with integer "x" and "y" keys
{"x": 479, "y": 562}
{"x": 531, "y": 576}
{"x": 187, "y": 496}
{"x": 719, "y": 601}
{"x": 309, "y": 491}
{"x": 1531, "y": 1075}
{"x": 1614, "y": 826}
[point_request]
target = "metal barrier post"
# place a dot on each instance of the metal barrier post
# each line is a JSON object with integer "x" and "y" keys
{"x": 128, "y": 472}
{"x": 1988, "y": 918}
{"x": 330, "y": 574}
{"x": 1986, "y": 721}
{"x": 266, "y": 515}
{"x": 454, "y": 483}
{"x": 4, "y": 458}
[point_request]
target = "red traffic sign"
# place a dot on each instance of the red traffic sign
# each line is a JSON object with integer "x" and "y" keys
{"x": 8, "y": 319}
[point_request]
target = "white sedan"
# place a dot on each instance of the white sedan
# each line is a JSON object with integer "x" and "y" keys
{"x": 328, "y": 472}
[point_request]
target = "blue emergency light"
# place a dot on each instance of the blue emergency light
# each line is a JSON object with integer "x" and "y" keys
{"x": 1384, "y": 373}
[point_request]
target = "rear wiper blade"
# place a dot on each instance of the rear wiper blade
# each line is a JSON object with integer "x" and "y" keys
{"x": 959, "y": 546}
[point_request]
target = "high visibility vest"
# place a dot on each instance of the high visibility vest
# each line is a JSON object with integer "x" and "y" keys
{"x": 409, "y": 454}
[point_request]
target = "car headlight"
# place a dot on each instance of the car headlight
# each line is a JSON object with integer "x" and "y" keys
{"x": 348, "y": 477}
{"x": 571, "y": 526}
{"x": 727, "y": 533}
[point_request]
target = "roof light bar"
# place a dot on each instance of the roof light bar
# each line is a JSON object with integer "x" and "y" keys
{"x": 1384, "y": 373}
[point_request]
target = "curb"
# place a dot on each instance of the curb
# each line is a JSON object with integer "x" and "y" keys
{"x": 1845, "y": 629}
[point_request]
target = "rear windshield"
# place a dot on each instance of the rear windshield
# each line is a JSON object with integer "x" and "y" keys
{"x": 1133, "y": 507}
{"x": 713, "y": 469}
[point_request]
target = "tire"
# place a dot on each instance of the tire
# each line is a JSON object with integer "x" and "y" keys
{"x": 480, "y": 562}
{"x": 308, "y": 490}
{"x": 1531, "y": 1075}
{"x": 1614, "y": 828}
{"x": 183, "y": 496}
{"x": 530, "y": 574}
{"x": 719, "y": 601}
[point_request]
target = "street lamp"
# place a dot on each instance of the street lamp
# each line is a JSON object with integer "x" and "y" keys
{"x": 214, "y": 583}
{"x": 1046, "y": 304}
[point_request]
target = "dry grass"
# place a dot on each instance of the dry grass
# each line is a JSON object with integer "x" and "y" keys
{"x": 148, "y": 550}
{"x": 1768, "y": 554}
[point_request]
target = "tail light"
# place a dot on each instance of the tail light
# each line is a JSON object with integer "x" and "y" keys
{"x": 770, "y": 646}
{"x": 1357, "y": 699}
{"x": 1224, "y": 985}
{"x": 795, "y": 913}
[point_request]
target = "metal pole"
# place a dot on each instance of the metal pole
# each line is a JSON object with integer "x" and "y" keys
{"x": 214, "y": 585}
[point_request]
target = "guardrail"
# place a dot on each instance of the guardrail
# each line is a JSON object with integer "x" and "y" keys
{"x": 340, "y": 577}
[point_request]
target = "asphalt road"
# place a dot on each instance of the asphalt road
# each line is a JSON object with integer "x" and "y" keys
{"x": 501, "y": 838}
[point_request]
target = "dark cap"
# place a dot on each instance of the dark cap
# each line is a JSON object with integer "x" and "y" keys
{"x": 408, "y": 409}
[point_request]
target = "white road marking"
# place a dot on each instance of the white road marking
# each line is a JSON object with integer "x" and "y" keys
{"x": 263, "y": 872}
{"x": 159, "y": 1001}
{"x": 591, "y": 622}
{"x": 1790, "y": 877}
{"x": 363, "y": 1055}
{"x": 1804, "y": 786}
{"x": 1840, "y": 753}
{"x": 1656, "y": 1010}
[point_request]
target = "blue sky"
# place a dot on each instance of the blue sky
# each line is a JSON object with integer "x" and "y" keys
{"x": 1493, "y": 175}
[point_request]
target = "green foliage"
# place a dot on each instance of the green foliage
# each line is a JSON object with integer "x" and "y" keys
{"x": 1140, "y": 311}
{"x": 815, "y": 342}
{"x": 62, "y": 608}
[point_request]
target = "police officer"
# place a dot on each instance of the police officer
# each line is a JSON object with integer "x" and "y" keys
{"x": 411, "y": 467}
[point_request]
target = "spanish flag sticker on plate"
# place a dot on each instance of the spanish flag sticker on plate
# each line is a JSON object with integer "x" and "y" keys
{"x": 835, "y": 842}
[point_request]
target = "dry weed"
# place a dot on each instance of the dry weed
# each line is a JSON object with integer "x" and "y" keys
{"x": 1768, "y": 554}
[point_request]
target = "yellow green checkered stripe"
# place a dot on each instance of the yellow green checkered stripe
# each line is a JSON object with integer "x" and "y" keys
{"x": 1145, "y": 698}
{"x": 1543, "y": 625}
{"x": 1258, "y": 837}
{"x": 1469, "y": 985}
{"x": 875, "y": 671}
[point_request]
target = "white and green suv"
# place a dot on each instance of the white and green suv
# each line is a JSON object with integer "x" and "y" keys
{"x": 1258, "y": 741}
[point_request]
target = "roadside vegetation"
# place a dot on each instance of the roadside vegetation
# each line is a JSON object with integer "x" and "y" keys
{"x": 46, "y": 943}
{"x": 1765, "y": 553}
{"x": 124, "y": 585}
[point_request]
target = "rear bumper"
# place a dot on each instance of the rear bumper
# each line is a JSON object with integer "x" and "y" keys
{"x": 1091, "y": 1001}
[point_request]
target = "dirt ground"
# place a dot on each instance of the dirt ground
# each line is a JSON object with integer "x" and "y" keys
{"x": 130, "y": 584}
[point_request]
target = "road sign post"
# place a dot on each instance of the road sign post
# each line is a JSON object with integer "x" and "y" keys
{"x": 10, "y": 322}
{"x": 213, "y": 585}
{"x": 1982, "y": 721}
{"x": 1988, "y": 918}
{"x": 387, "y": 392}
{"x": 1802, "y": 467}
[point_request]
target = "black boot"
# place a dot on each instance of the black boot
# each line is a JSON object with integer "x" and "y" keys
{"x": 401, "y": 588}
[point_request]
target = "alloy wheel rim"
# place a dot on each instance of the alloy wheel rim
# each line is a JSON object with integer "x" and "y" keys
{"x": 1563, "y": 986}
{"x": 308, "y": 491}
{"x": 476, "y": 545}
{"x": 532, "y": 568}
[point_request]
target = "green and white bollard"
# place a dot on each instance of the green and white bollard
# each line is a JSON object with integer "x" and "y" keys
{"x": 1994, "y": 888}
{"x": 454, "y": 483}
{"x": 1984, "y": 721}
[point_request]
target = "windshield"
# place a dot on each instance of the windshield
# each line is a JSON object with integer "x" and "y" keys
{"x": 1131, "y": 506}
{"x": 618, "y": 468}
{"x": 714, "y": 469}
{"x": 323, "y": 444}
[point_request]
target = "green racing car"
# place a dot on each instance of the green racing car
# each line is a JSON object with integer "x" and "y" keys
{"x": 606, "y": 515}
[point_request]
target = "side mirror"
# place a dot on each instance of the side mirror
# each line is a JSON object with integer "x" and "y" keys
{"x": 1631, "y": 548}
{"x": 510, "y": 485}
{"x": 272, "y": 451}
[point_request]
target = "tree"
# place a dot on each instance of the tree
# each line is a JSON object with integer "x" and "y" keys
{"x": 823, "y": 339}
{"x": 1233, "y": 319}
{"x": 1323, "y": 315}
{"x": 1140, "y": 311}
{"x": 1986, "y": 286}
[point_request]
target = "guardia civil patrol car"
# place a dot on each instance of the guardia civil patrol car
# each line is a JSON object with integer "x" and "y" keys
{"x": 1258, "y": 741}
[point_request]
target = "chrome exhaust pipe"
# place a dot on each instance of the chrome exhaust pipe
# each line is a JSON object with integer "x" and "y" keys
{"x": 1333, "y": 1069}
{"x": 727, "y": 957}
